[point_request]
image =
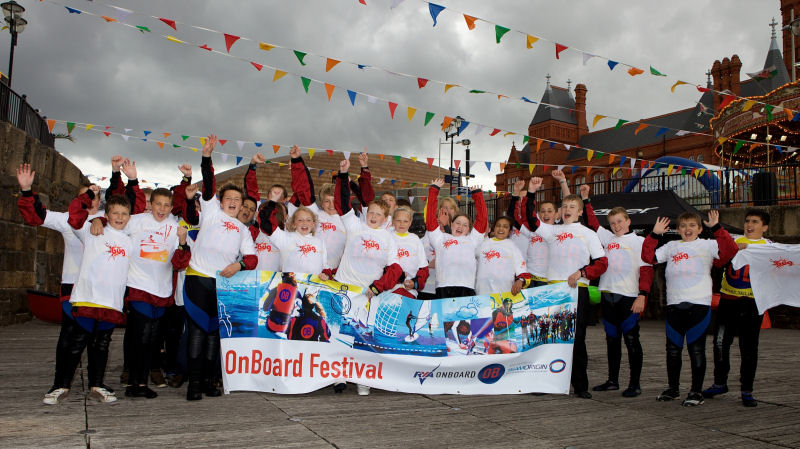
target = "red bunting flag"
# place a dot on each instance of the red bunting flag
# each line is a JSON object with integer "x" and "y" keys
{"x": 494, "y": 132}
{"x": 456, "y": 163}
{"x": 104, "y": 132}
{"x": 392, "y": 107}
{"x": 330, "y": 63}
{"x": 470, "y": 21}
{"x": 330, "y": 152}
{"x": 363, "y": 2}
{"x": 559, "y": 49}
{"x": 430, "y": 162}
{"x": 257, "y": 65}
{"x": 206, "y": 47}
{"x": 421, "y": 82}
{"x": 702, "y": 89}
{"x": 726, "y": 101}
{"x": 230, "y": 39}
{"x": 222, "y": 142}
{"x": 171, "y": 23}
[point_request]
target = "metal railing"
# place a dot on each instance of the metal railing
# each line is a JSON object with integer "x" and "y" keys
{"x": 15, "y": 109}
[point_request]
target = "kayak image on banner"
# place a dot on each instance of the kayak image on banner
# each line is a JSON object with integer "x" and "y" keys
{"x": 294, "y": 333}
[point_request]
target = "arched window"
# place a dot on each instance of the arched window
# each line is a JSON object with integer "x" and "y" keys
{"x": 691, "y": 158}
{"x": 598, "y": 184}
{"x": 700, "y": 158}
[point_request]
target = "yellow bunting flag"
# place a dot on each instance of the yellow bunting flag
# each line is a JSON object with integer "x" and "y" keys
{"x": 448, "y": 86}
{"x": 677, "y": 83}
{"x": 633, "y": 71}
{"x": 329, "y": 89}
{"x": 747, "y": 105}
{"x": 193, "y": 149}
{"x": 508, "y": 134}
{"x": 311, "y": 152}
{"x": 330, "y": 63}
{"x": 614, "y": 172}
{"x": 470, "y": 21}
{"x": 414, "y": 158}
{"x": 264, "y": 46}
{"x": 531, "y": 40}
{"x": 411, "y": 112}
{"x": 446, "y": 122}
{"x": 531, "y": 167}
{"x": 639, "y": 128}
{"x": 701, "y": 172}
{"x": 160, "y": 144}
{"x": 203, "y": 141}
{"x": 597, "y": 118}
{"x": 175, "y": 39}
{"x": 275, "y": 148}
{"x": 89, "y": 126}
{"x": 278, "y": 75}
{"x": 589, "y": 154}
{"x": 502, "y": 166}
{"x": 281, "y": 164}
{"x": 669, "y": 169}
{"x": 722, "y": 139}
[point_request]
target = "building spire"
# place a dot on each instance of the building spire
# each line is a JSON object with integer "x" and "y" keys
{"x": 708, "y": 78}
{"x": 548, "y": 80}
{"x": 569, "y": 83}
{"x": 773, "y": 24}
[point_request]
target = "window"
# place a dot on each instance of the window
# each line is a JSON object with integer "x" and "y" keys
{"x": 691, "y": 158}
{"x": 599, "y": 186}
{"x": 700, "y": 158}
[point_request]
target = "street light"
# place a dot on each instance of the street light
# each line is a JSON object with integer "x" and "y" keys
{"x": 452, "y": 130}
{"x": 16, "y": 24}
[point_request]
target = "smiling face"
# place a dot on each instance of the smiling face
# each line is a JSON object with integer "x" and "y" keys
{"x": 620, "y": 224}
{"x": 571, "y": 211}
{"x": 401, "y": 221}
{"x": 118, "y": 216}
{"x": 547, "y": 212}
{"x": 329, "y": 204}
{"x": 248, "y": 211}
{"x": 460, "y": 226}
{"x": 231, "y": 202}
{"x": 689, "y": 229}
{"x": 754, "y": 227}
{"x": 502, "y": 229}
{"x": 303, "y": 222}
{"x": 160, "y": 206}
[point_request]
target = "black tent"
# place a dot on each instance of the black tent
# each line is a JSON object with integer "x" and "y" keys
{"x": 645, "y": 207}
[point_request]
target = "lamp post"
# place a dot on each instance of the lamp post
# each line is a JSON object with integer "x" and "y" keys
{"x": 16, "y": 24}
{"x": 452, "y": 131}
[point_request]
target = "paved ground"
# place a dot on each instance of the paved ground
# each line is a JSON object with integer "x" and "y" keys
{"x": 384, "y": 419}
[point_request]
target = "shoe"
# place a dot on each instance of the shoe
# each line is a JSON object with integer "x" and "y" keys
{"x": 748, "y": 400}
{"x": 583, "y": 395}
{"x": 175, "y": 380}
{"x": 100, "y": 394}
{"x": 669, "y": 394}
{"x": 194, "y": 392}
{"x": 55, "y": 395}
{"x": 157, "y": 378}
{"x": 363, "y": 390}
{"x": 693, "y": 399}
{"x": 339, "y": 387}
{"x": 140, "y": 391}
{"x": 632, "y": 392}
{"x": 211, "y": 390}
{"x": 608, "y": 386}
{"x": 714, "y": 390}
{"x": 123, "y": 378}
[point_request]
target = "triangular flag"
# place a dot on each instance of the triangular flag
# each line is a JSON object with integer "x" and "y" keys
{"x": 306, "y": 82}
{"x": 677, "y": 83}
{"x": 175, "y": 39}
{"x": 51, "y": 123}
{"x": 109, "y": 19}
{"x": 352, "y": 96}
{"x": 633, "y": 162}
{"x": 414, "y": 158}
{"x": 448, "y": 86}
{"x": 587, "y": 57}
{"x": 264, "y": 46}
{"x": 662, "y": 131}
{"x": 238, "y": 160}
{"x": 258, "y": 144}
{"x": 143, "y": 28}
{"x": 446, "y": 122}
{"x": 463, "y": 126}
{"x": 614, "y": 172}
{"x": 531, "y": 167}
{"x": 738, "y": 146}
{"x": 494, "y": 132}
{"x": 70, "y": 127}
{"x": 275, "y": 148}
{"x": 421, "y": 82}
{"x": 559, "y": 49}
{"x": 184, "y": 137}
{"x": 329, "y": 89}
{"x": 222, "y": 142}
{"x": 456, "y": 163}
{"x": 588, "y": 169}
{"x": 125, "y": 137}
{"x": 166, "y": 135}
{"x": 278, "y": 75}
{"x": 330, "y": 152}
{"x": 381, "y": 180}
{"x": 347, "y": 154}
{"x": 639, "y": 128}
{"x": 499, "y": 32}
{"x": 224, "y": 157}
{"x": 169, "y": 22}
{"x": 88, "y": 126}
{"x": 470, "y": 21}
{"x": 257, "y": 65}
{"x": 530, "y": 41}
{"x": 428, "y": 117}
{"x": 669, "y": 169}
{"x": 612, "y": 64}
{"x": 633, "y": 71}
{"x": 311, "y": 152}
{"x": 656, "y": 72}
{"x": 230, "y": 39}
{"x": 435, "y": 10}
{"x": 727, "y": 99}
{"x": 538, "y": 145}
{"x": 589, "y": 154}
{"x": 73, "y": 10}
{"x": 321, "y": 171}
{"x": 411, "y": 112}
{"x": 509, "y": 133}
{"x": 300, "y": 55}
{"x": 722, "y": 139}
{"x": 525, "y": 139}
{"x": 330, "y": 63}
{"x": 206, "y": 47}
{"x": 502, "y": 166}
{"x": 610, "y": 159}
{"x": 411, "y": 198}
{"x": 380, "y": 156}
{"x": 597, "y": 118}
{"x": 430, "y": 162}
{"x": 458, "y": 198}
{"x": 392, "y": 107}
{"x": 488, "y": 165}
{"x": 240, "y": 144}
{"x": 747, "y": 105}
{"x": 620, "y": 123}
{"x": 397, "y": 159}
{"x": 371, "y": 99}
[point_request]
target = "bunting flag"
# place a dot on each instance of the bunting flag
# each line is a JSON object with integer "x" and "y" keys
{"x": 300, "y": 55}
{"x": 224, "y": 157}
{"x": 597, "y": 118}
{"x": 612, "y": 64}
{"x": 329, "y": 90}
{"x": 397, "y": 159}
{"x": 430, "y": 162}
{"x": 738, "y": 146}
{"x": 620, "y": 123}
{"x": 470, "y": 21}
{"x": 669, "y": 169}
{"x": 446, "y": 122}
{"x": 456, "y": 163}
{"x": 421, "y": 82}
{"x": 587, "y": 57}
{"x": 633, "y": 71}
{"x": 411, "y": 112}
{"x": 435, "y": 10}
{"x": 494, "y": 132}
{"x": 589, "y": 154}
{"x": 428, "y": 117}
{"x": 238, "y": 160}
{"x": 488, "y": 166}
{"x": 352, "y": 95}
{"x": 500, "y": 32}
{"x": 170, "y": 23}
{"x": 257, "y": 65}
{"x": 530, "y": 41}
{"x": 639, "y": 128}
{"x": 502, "y": 166}
{"x": 662, "y": 131}
{"x": 230, "y": 39}
{"x": 52, "y": 123}
{"x": 449, "y": 86}
{"x": 656, "y": 72}
{"x": 559, "y": 49}
{"x": 278, "y": 75}
{"x": 392, "y": 107}
{"x": 311, "y": 152}
{"x": 275, "y": 148}
{"x": 530, "y": 168}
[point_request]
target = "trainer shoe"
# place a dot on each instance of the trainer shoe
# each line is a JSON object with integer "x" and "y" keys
{"x": 608, "y": 386}
{"x": 748, "y": 400}
{"x": 583, "y": 395}
{"x": 363, "y": 390}
{"x": 123, "y": 378}
{"x": 632, "y": 391}
{"x": 693, "y": 399}
{"x": 157, "y": 378}
{"x": 714, "y": 390}
{"x": 100, "y": 394}
{"x": 55, "y": 395}
{"x": 140, "y": 391}
{"x": 668, "y": 395}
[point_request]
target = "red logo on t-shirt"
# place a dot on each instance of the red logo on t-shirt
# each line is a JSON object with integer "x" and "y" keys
{"x": 516, "y": 232}
{"x": 563, "y": 236}
{"x": 307, "y": 248}
{"x": 263, "y": 247}
{"x": 371, "y": 244}
{"x": 402, "y": 253}
{"x": 780, "y": 263}
{"x": 230, "y": 226}
{"x": 325, "y": 226}
{"x": 536, "y": 239}
{"x": 679, "y": 257}
{"x": 613, "y": 245}
{"x": 450, "y": 242}
{"x": 493, "y": 254}
{"x": 114, "y": 251}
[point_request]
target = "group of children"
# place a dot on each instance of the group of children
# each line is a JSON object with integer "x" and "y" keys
{"x": 142, "y": 258}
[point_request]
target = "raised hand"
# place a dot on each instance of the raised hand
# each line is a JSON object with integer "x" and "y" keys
{"x": 444, "y": 217}
{"x": 186, "y": 169}
{"x": 438, "y": 182}
{"x": 518, "y": 186}
{"x": 713, "y": 218}
{"x": 294, "y": 153}
{"x": 25, "y": 177}
{"x": 259, "y": 158}
{"x": 129, "y": 168}
{"x": 558, "y": 175}
{"x": 208, "y": 147}
{"x": 661, "y": 226}
{"x": 474, "y": 188}
{"x": 95, "y": 189}
{"x": 182, "y": 233}
{"x": 275, "y": 195}
{"x": 363, "y": 159}
{"x": 116, "y": 163}
{"x": 344, "y": 166}
{"x": 191, "y": 191}
{"x": 534, "y": 184}
{"x": 585, "y": 190}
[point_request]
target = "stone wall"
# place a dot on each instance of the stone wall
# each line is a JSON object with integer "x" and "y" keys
{"x": 30, "y": 258}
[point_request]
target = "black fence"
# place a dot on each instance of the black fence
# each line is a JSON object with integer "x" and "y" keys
{"x": 15, "y": 109}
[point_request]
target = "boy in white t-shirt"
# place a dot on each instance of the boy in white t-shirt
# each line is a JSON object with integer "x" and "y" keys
{"x": 689, "y": 285}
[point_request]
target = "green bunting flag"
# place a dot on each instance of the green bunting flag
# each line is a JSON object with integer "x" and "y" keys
{"x": 499, "y": 32}
{"x": 620, "y": 123}
{"x": 476, "y": 91}
{"x": 769, "y": 108}
{"x": 428, "y": 117}
{"x": 739, "y": 144}
{"x": 525, "y": 139}
{"x": 184, "y": 138}
{"x": 300, "y": 55}
{"x": 397, "y": 159}
{"x": 175, "y": 145}
{"x": 70, "y": 127}
{"x": 143, "y": 28}
{"x": 656, "y": 72}
{"x": 306, "y": 82}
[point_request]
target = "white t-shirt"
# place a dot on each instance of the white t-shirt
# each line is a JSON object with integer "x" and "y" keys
{"x": 332, "y": 231}
{"x": 73, "y": 247}
{"x": 430, "y": 254}
{"x": 537, "y": 253}
{"x": 221, "y": 240}
{"x": 269, "y": 256}
{"x": 367, "y": 253}
{"x": 178, "y": 296}
{"x": 572, "y": 246}
{"x": 499, "y": 262}
{"x": 386, "y": 225}
{"x": 688, "y": 271}
{"x": 151, "y": 262}
{"x": 624, "y": 259}
{"x": 104, "y": 270}
{"x": 455, "y": 258}
{"x": 774, "y": 273}
{"x": 300, "y": 253}
{"x": 519, "y": 240}
{"x": 410, "y": 255}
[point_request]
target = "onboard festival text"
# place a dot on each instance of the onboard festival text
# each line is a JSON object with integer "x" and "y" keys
{"x": 256, "y": 363}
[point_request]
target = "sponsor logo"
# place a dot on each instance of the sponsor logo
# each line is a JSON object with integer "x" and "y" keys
{"x": 307, "y": 331}
{"x": 535, "y": 367}
{"x": 230, "y": 226}
{"x": 490, "y": 374}
{"x": 557, "y": 366}
{"x": 422, "y": 376}
{"x": 370, "y": 244}
{"x": 403, "y": 253}
{"x": 114, "y": 251}
{"x": 630, "y": 211}
{"x": 493, "y": 254}
{"x": 563, "y": 236}
{"x": 305, "y": 249}
{"x": 613, "y": 245}
{"x": 327, "y": 226}
{"x": 450, "y": 242}
{"x": 780, "y": 263}
{"x": 679, "y": 257}
{"x": 285, "y": 295}
{"x": 536, "y": 239}
{"x": 263, "y": 247}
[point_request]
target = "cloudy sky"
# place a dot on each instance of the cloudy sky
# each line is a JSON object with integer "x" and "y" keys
{"x": 80, "y": 68}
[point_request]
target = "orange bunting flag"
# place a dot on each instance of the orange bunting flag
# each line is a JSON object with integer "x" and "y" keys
{"x": 275, "y": 148}
{"x": 448, "y": 86}
{"x": 380, "y": 156}
{"x": 265, "y": 46}
{"x": 230, "y": 39}
{"x": 633, "y": 71}
{"x": 411, "y": 112}
{"x": 639, "y": 128}
{"x": 789, "y": 113}
{"x": 610, "y": 158}
{"x": 589, "y": 154}
{"x": 597, "y": 118}
{"x": 109, "y": 19}
{"x": 446, "y": 122}
{"x": 167, "y": 135}
{"x": 502, "y": 166}
{"x": 430, "y": 162}
{"x": 538, "y": 145}
{"x": 278, "y": 75}
{"x": 330, "y": 63}
{"x": 588, "y": 169}
{"x": 160, "y": 144}
{"x": 677, "y": 83}
{"x": 470, "y": 21}
{"x": 458, "y": 198}
{"x": 531, "y": 40}
{"x": 50, "y": 125}
{"x": 421, "y": 82}
{"x": 559, "y": 49}
{"x": 392, "y": 107}
{"x": 329, "y": 89}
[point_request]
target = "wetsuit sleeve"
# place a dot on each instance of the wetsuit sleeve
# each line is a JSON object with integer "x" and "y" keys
{"x": 530, "y": 212}
{"x": 341, "y": 197}
{"x": 32, "y": 210}
{"x": 367, "y": 193}
{"x": 645, "y": 279}
{"x": 589, "y": 216}
{"x": 250, "y": 262}
{"x": 79, "y": 209}
{"x": 727, "y": 246}
{"x": 135, "y": 197}
{"x": 391, "y": 275}
{"x": 267, "y": 218}
{"x": 431, "y": 220}
{"x": 596, "y": 268}
{"x": 253, "y": 228}
{"x": 302, "y": 185}
{"x": 209, "y": 180}
{"x": 251, "y": 183}
{"x": 511, "y": 211}
{"x": 115, "y": 186}
{"x": 481, "y": 212}
{"x": 181, "y": 257}
{"x": 649, "y": 249}
{"x": 179, "y": 196}
{"x": 421, "y": 278}
{"x": 190, "y": 214}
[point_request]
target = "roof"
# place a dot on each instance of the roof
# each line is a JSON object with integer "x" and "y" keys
{"x": 558, "y": 96}
{"x": 756, "y": 88}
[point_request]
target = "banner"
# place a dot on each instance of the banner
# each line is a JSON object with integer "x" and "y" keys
{"x": 293, "y": 333}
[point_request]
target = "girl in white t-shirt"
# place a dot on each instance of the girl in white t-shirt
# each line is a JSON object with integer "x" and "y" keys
{"x": 410, "y": 254}
{"x": 301, "y": 251}
{"x": 501, "y": 267}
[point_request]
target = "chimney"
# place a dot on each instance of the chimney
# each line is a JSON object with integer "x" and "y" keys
{"x": 726, "y": 74}
{"x": 580, "y": 109}
{"x": 716, "y": 73}
{"x": 736, "y": 67}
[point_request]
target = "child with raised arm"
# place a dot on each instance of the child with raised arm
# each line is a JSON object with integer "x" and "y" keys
{"x": 624, "y": 288}
{"x": 223, "y": 246}
{"x": 456, "y": 265}
{"x": 410, "y": 254}
{"x": 576, "y": 257}
{"x": 450, "y": 207}
{"x": 689, "y": 285}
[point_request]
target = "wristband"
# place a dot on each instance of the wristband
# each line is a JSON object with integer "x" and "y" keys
{"x": 374, "y": 289}
{"x": 241, "y": 264}
{"x": 644, "y": 293}
{"x": 187, "y": 179}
